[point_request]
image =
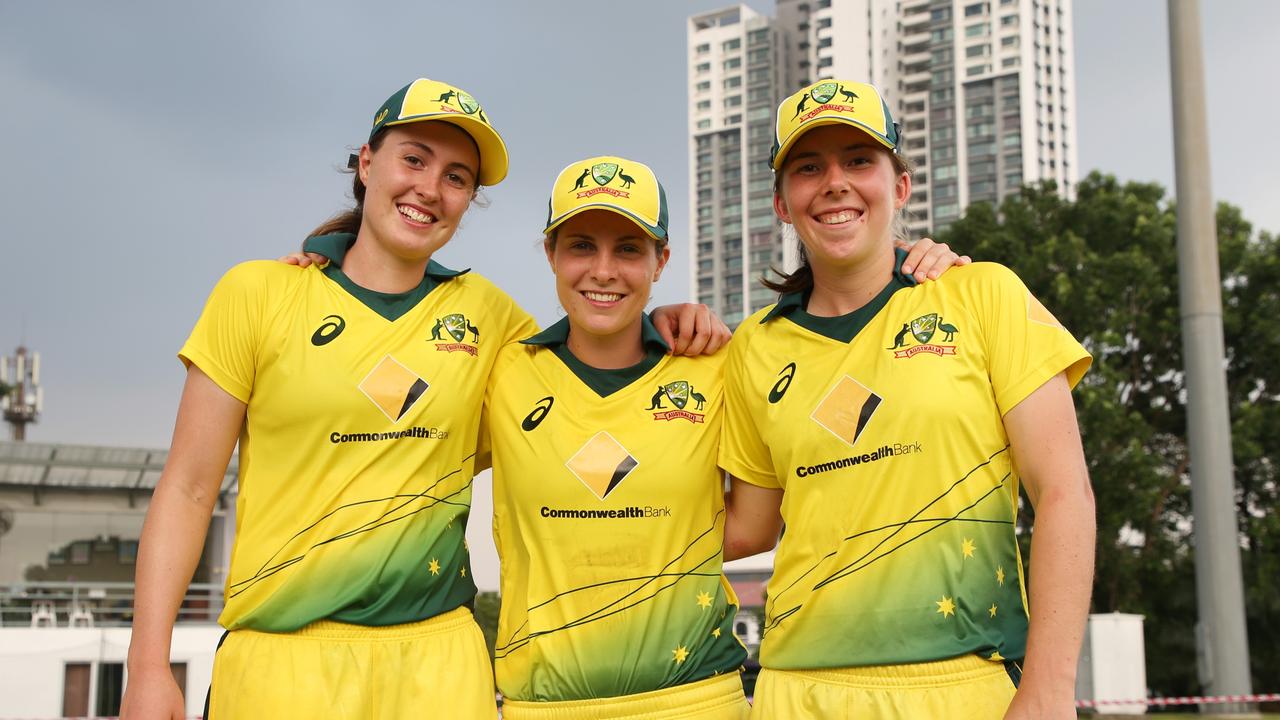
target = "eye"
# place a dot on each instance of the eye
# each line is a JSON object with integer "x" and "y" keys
{"x": 456, "y": 180}
{"x": 414, "y": 161}
{"x": 806, "y": 168}
{"x": 630, "y": 249}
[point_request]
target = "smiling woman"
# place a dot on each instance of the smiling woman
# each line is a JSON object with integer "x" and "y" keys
{"x": 354, "y": 391}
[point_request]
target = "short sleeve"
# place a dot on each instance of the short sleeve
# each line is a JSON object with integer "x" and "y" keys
{"x": 743, "y": 453}
{"x": 224, "y": 341}
{"x": 1025, "y": 344}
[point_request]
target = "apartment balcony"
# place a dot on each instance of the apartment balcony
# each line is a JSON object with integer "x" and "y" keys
{"x": 919, "y": 38}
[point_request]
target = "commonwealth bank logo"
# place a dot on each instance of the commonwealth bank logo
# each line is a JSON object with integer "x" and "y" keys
{"x": 602, "y": 464}
{"x": 394, "y": 388}
{"x": 847, "y": 409}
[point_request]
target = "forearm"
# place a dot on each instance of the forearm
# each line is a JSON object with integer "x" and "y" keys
{"x": 1062, "y": 552}
{"x": 752, "y": 520}
{"x": 172, "y": 540}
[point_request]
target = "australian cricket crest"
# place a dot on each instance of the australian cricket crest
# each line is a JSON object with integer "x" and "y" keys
{"x": 604, "y": 173}
{"x": 923, "y": 330}
{"x": 823, "y": 92}
{"x": 678, "y": 393}
{"x": 457, "y": 327}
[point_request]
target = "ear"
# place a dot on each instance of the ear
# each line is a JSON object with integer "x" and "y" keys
{"x": 366, "y": 156}
{"x": 663, "y": 257}
{"x": 780, "y": 209}
{"x": 901, "y": 190}
{"x": 548, "y": 246}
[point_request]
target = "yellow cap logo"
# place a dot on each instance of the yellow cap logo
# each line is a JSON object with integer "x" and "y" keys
{"x": 612, "y": 183}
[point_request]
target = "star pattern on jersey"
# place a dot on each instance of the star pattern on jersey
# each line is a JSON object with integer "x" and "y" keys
{"x": 715, "y": 633}
{"x": 464, "y": 572}
{"x": 967, "y": 547}
{"x": 996, "y": 657}
{"x": 946, "y": 606}
{"x": 680, "y": 654}
{"x": 1000, "y": 575}
{"x": 704, "y": 599}
{"x": 434, "y": 566}
{"x": 992, "y": 610}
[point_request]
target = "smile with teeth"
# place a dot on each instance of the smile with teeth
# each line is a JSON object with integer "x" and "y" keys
{"x": 834, "y": 218}
{"x": 415, "y": 215}
{"x": 602, "y": 296}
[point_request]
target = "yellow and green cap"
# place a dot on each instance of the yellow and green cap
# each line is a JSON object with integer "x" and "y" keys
{"x": 626, "y": 187}
{"x": 831, "y": 102}
{"x": 425, "y": 99}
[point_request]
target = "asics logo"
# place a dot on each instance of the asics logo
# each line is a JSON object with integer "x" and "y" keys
{"x": 331, "y": 329}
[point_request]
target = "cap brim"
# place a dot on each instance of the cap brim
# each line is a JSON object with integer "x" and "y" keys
{"x": 493, "y": 152}
{"x": 653, "y": 231}
{"x": 817, "y": 122}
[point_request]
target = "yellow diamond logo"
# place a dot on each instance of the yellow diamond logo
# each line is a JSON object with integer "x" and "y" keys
{"x": 847, "y": 409}
{"x": 394, "y": 388}
{"x": 602, "y": 464}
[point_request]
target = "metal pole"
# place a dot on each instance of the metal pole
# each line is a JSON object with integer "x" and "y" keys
{"x": 1221, "y": 638}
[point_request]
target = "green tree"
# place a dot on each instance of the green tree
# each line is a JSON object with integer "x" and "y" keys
{"x": 1106, "y": 265}
{"x": 486, "y": 612}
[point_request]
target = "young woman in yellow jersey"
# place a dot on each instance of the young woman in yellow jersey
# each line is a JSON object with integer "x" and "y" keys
{"x": 890, "y": 425}
{"x": 608, "y": 502}
{"x": 354, "y": 392}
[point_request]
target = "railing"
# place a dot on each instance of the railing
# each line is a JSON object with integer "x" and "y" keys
{"x": 90, "y": 604}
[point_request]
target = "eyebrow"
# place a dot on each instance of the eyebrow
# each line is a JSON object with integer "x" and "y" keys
{"x": 428, "y": 150}
{"x": 814, "y": 153}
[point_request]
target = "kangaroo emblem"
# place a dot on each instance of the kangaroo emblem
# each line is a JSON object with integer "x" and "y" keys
{"x": 446, "y": 97}
{"x": 475, "y": 332}
{"x": 947, "y": 328}
{"x": 848, "y": 96}
{"x": 698, "y": 398}
{"x": 900, "y": 339}
{"x": 656, "y": 403}
{"x": 435, "y": 331}
{"x": 581, "y": 179}
{"x": 626, "y": 179}
{"x": 800, "y": 108}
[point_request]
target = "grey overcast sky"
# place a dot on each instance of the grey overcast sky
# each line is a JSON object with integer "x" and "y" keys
{"x": 149, "y": 146}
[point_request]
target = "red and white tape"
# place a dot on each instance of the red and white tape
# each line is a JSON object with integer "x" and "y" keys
{"x": 1162, "y": 702}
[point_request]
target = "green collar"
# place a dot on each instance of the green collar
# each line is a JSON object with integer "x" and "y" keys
{"x": 389, "y": 305}
{"x": 843, "y": 327}
{"x": 335, "y": 248}
{"x": 603, "y": 382}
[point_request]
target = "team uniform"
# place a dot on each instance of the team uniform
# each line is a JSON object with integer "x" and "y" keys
{"x": 898, "y": 585}
{"x": 356, "y": 461}
{"x": 609, "y": 521}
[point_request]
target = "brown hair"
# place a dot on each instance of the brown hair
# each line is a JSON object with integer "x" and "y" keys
{"x": 801, "y": 279}
{"x": 348, "y": 221}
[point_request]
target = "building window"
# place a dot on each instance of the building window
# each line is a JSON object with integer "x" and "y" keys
{"x": 704, "y": 124}
{"x": 733, "y": 101}
{"x": 704, "y": 105}
{"x": 732, "y": 82}
{"x": 824, "y": 42}
{"x": 704, "y": 67}
{"x": 978, "y": 30}
{"x": 974, "y": 51}
{"x": 825, "y": 62}
{"x": 942, "y": 34}
{"x": 733, "y": 63}
{"x": 940, "y": 14}
{"x": 731, "y": 44}
{"x": 1009, "y": 21}
{"x": 823, "y": 23}
{"x": 704, "y": 86}
{"x": 1010, "y": 41}
{"x": 975, "y": 9}
{"x": 703, "y": 49}
{"x": 1009, "y": 62}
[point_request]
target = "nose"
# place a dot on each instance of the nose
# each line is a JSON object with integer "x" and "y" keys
{"x": 603, "y": 267}
{"x": 834, "y": 180}
{"x": 428, "y": 187}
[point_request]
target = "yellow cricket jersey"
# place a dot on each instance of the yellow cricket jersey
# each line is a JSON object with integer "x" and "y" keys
{"x": 609, "y": 520}
{"x": 884, "y": 427}
{"x": 357, "y": 452}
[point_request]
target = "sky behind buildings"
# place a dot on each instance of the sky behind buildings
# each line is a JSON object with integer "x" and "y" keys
{"x": 150, "y": 146}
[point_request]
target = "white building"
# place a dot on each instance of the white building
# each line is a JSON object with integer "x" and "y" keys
{"x": 984, "y": 92}
{"x": 70, "y": 519}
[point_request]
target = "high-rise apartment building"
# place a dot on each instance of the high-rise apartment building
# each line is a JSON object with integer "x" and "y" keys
{"x": 984, "y": 91}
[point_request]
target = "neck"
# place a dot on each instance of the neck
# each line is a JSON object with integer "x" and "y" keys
{"x": 607, "y": 352}
{"x": 840, "y": 290}
{"x": 374, "y": 269}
